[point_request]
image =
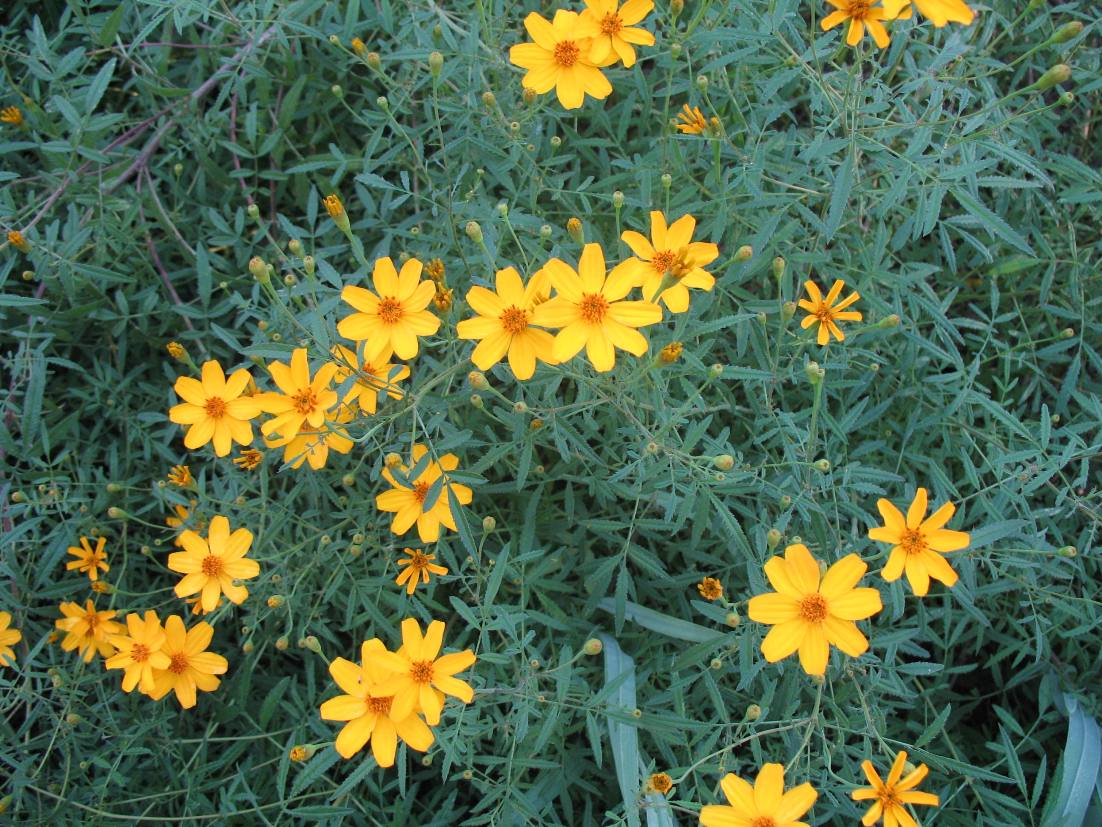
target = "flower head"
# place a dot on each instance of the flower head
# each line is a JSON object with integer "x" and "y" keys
{"x": 809, "y": 613}
{"x": 393, "y": 317}
{"x": 918, "y": 542}
{"x": 891, "y": 794}
{"x": 861, "y": 14}
{"x": 180, "y": 475}
{"x": 8, "y": 636}
{"x": 764, "y": 804}
{"x": 333, "y": 205}
{"x": 177, "y": 351}
{"x": 435, "y": 270}
{"x": 191, "y": 667}
{"x": 372, "y": 378}
{"x": 215, "y": 409}
{"x": 416, "y": 568}
{"x": 19, "y": 241}
{"x": 12, "y": 115}
{"x": 613, "y": 30}
{"x": 691, "y": 121}
{"x": 249, "y": 459}
{"x": 313, "y": 446}
{"x": 710, "y": 588}
{"x": 87, "y": 630}
{"x": 560, "y": 59}
{"x": 660, "y": 782}
{"x": 139, "y": 651}
{"x": 302, "y": 400}
{"x": 413, "y": 500}
{"x": 827, "y": 314}
{"x": 90, "y": 561}
{"x": 939, "y": 12}
{"x": 671, "y": 352}
{"x": 668, "y": 263}
{"x": 211, "y": 567}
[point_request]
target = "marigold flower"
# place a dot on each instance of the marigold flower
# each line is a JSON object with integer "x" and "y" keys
{"x": 691, "y": 121}
{"x": 8, "y": 636}
{"x": 613, "y": 31}
{"x": 861, "y": 14}
{"x": 416, "y": 569}
{"x": 810, "y": 612}
{"x": 939, "y": 12}
{"x": 179, "y": 475}
{"x": 302, "y": 400}
{"x": 313, "y": 446}
{"x": 298, "y": 753}
{"x": 660, "y": 782}
{"x": 559, "y": 59}
{"x": 671, "y": 352}
{"x": 90, "y": 561}
{"x": 177, "y": 351}
{"x": 393, "y": 317}
{"x": 670, "y": 262}
{"x": 435, "y": 270}
{"x": 333, "y": 205}
{"x": 372, "y": 378}
{"x": 12, "y": 115}
{"x": 139, "y": 651}
{"x": 19, "y": 241}
{"x": 589, "y": 309}
{"x": 504, "y": 323}
{"x": 358, "y": 47}
{"x": 765, "y": 804}
{"x": 442, "y": 298}
{"x": 249, "y": 459}
{"x": 214, "y": 409}
{"x": 211, "y": 566}
{"x": 191, "y": 667}
{"x": 827, "y": 314}
{"x": 87, "y": 630}
{"x": 710, "y": 588}
{"x": 407, "y": 501}
{"x": 918, "y": 544}
{"x": 102, "y": 587}
{"x": 891, "y": 794}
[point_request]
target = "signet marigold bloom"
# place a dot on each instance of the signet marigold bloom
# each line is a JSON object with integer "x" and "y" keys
{"x": 393, "y": 317}
{"x": 590, "y": 309}
{"x": 710, "y": 588}
{"x": 938, "y": 12}
{"x": 249, "y": 459}
{"x": 90, "y": 561}
{"x": 613, "y": 29}
{"x": 180, "y": 476}
{"x": 827, "y": 314}
{"x": 918, "y": 543}
{"x": 215, "y": 408}
{"x": 691, "y": 121}
{"x": 407, "y": 502}
{"x": 668, "y": 263}
{"x": 810, "y": 613}
{"x": 763, "y": 804}
{"x": 314, "y": 446}
{"x": 504, "y": 323}
{"x": 891, "y": 794}
{"x": 861, "y": 14}
{"x": 302, "y": 400}
{"x": 191, "y": 667}
{"x": 416, "y": 568}
{"x": 372, "y": 378}
{"x": 87, "y": 630}
{"x": 211, "y": 566}
{"x": 8, "y": 636}
{"x": 559, "y": 59}
{"x": 12, "y": 115}
{"x": 139, "y": 651}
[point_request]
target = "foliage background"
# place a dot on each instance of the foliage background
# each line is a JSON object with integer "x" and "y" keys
{"x": 908, "y": 172}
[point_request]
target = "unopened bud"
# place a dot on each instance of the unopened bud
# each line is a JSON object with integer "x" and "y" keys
{"x": 488, "y": 524}
{"x": 732, "y": 619}
{"x": 72, "y": 719}
{"x": 348, "y": 480}
{"x": 177, "y": 169}
{"x": 1067, "y": 32}
{"x": 336, "y": 90}
{"x": 545, "y": 232}
{"x": 282, "y": 643}
{"x": 716, "y": 663}
{"x": 1060, "y": 73}
{"x": 116, "y": 513}
{"x": 476, "y": 401}
{"x": 778, "y": 268}
{"x": 575, "y": 230}
{"x": 358, "y": 46}
{"x": 788, "y": 310}
{"x": 474, "y": 232}
{"x": 715, "y": 371}
{"x": 617, "y": 199}
{"x": 772, "y": 538}
{"x": 702, "y": 83}
{"x": 1068, "y": 551}
{"x": 651, "y": 448}
{"x": 290, "y": 280}
{"x": 477, "y": 380}
{"x": 822, "y": 465}
{"x": 675, "y": 48}
{"x": 310, "y": 642}
{"x": 253, "y": 211}
{"x": 1068, "y": 333}
{"x": 308, "y": 265}
{"x": 724, "y": 462}
{"x": 488, "y": 100}
{"x": 676, "y": 7}
{"x": 529, "y": 95}
{"x": 374, "y": 61}
{"x": 593, "y": 646}
{"x": 259, "y": 270}
{"x": 503, "y": 210}
{"x": 556, "y": 141}
{"x": 753, "y": 712}
{"x": 744, "y": 253}
{"x": 28, "y": 275}
{"x": 1067, "y": 98}
{"x": 814, "y": 373}
{"x": 295, "y": 247}
{"x": 785, "y": 501}
{"x": 113, "y": 488}
{"x": 520, "y": 406}
{"x": 247, "y": 647}
{"x": 667, "y": 180}
{"x": 275, "y": 601}
{"x": 436, "y": 63}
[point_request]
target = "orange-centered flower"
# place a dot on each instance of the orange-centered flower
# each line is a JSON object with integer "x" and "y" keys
{"x": 825, "y": 313}
{"x": 393, "y": 317}
{"x": 87, "y": 630}
{"x": 890, "y": 795}
{"x": 416, "y": 568}
{"x": 90, "y": 561}
{"x": 301, "y": 400}
{"x": 691, "y": 121}
{"x": 139, "y": 651}
{"x": 765, "y": 804}
{"x": 8, "y": 636}
{"x": 918, "y": 543}
{"x": 861, "y": 14}
{"x": 668, "y": 263}
{"x": 215, "y": 409}
{"x": 613, "y": 29}
{"x": 414, "y": 500}
{"x": 211, "y": 567}
{"x": 560, "y": 59}
{"x": 371, "y": 379}
{"x": 191, "y": 667}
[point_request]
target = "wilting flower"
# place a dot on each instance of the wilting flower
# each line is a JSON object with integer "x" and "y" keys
{"x": 765, "y": 804}
{"x": 180, "y": 475}
{"x": 249, "y": 459}
{"x": 214, "y": 409}
{"x": 918, "y": 544}
{"x": 393, "y": 317}
{"x": 827, "y": 314}
{"x": 710, "y": 588}
{"x": 861, "y": 14}
{"x": 371, "y": 379}
{"x": 87, "y": 630}
{"x": 891, "y": 794}
{"x": 211, "y": 567}
{"x": 939, "y": 12}
{"x": 19, "y": 241}
{"x": 302, "y": 400}
{"x": 691, "y": 121}
{"x": 613, "y": 30}
{"x": 90, "y": 561}
{"x": 416, "y": 568}
{"x": 8, "y": 636}
{"x": 560, "y": 59}
{"x": 190, "y": 666}
{"x": 408, "y": 500}
{"x": 12, "y": 115}
{"x": 670, "y": 262}
{"x": 139, "y": 651}
{"x": 660, "y": 782}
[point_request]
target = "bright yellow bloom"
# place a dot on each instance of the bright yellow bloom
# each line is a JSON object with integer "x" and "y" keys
{"x": 918, "y": 544}
{"x": 8, "y": 636}
{"x": 827, "y": 314}
{"x": 613, "y": 31}
{"x": 939, "y": 12}
{"x": 420, "y": 676}
{"x": 180, "y": 475}
{"x": 861, "y": 14}
{"x": 139, "y": 651}
{"x": 765, "y": 804}
{"x": 371, "y": 378}
{"x": 87, "y": 630}
{"x": 393, "y": 317}
{"x": 211, "y": 567}
{"x": 333, "y": 205}
{"x": 692, "y": 121}
{"x": 590, "y": 310}
{"x": 559, "y": 59}
{"x": 669, "y": 261}
{"x": 215, "y": 409}
{"x": 190, "y": 666}
{"x": 370, "y": 714}
{"x": 710, "y": 588}
{"x": 890, "y": 795}
{"x": 302, "y": 400}
{"x": 809, "y": 614}
{"x": 250, "y": 458}
{"x": 416, "y": 569}
{"x": 89, "y": 560}
{"x": 180, "y": 516}
{"x": 504, "y": 323}
{"x": 407, "y": 500}
{"x": 671, "y": 352}
{"x": 12, "y": 115}
{"x": 313, "y": 446}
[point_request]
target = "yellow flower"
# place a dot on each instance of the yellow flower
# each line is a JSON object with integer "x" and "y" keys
{"x": 861, "y": 14}
{"x": 918, "y": 544}
{"x": 215, "y": 409}
{"x": 692, "y": 121}
{"x": 302, "y": 401}
{"x": 391, "y": 318}
{"x": 190, "y": 666}
{"x": 559, "y": 59}
{"x": 808, "y": 614}
{"x": 589, "y": 309}
{"x": 8, "y": 636}
{"x": 371, "y": 378}
{"x": 12, "y": 115}
{"x": 177, "y": 351}
{"x": 765, "y": 804}
{"x": 313, "y": 446}
{"x": 939, "y": 12}
{"x": 196, "y": 604}
{"x": 139, "y": 651}
{"x": 89, "y": 560}
{"x": 612, "y": 29}
{"x": 669, "y": 261}
{"x": 358, "y": 47}
{"x": 333, "y": 205}
{"x": 827, "y": 314}
{"x": 504, "y": 323}
{"x": 298, "y": 753}
{"x": 407, "y": 501}
{"x": 416, "y": 569}
{"x": 250, "y": 458}
{"x": 419, "y": 679}
{"x": 19, "y": 241}
{"x": 710, "y": 588}
{"x": 180, "y": 475}
{"x": 671, "y": 352}
{"x": 211, "y": 566}
{"x": 87, "y": 630}
{"x": 370, "y": 714}
{"x": 890, "y": 795}
{"x": 660, "y": 783}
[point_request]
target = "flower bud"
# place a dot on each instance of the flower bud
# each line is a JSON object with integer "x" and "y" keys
{"x": 308, "y": 265}
{"x": 575, "y": 230}
{"x": 732, "y": 619}
{"x": 675, "y": 48}
{"x": 617, "y": 200}
{"x": 28, "y": 275}
{"x": 753, "y": 712}
{"x": 247, "y": 647}
{"x": 348, "y": 480}
{"x": 772, "y": 538}
{"x": 529, "y": 95}
{"x": 1060, "y": 73}
{"x": 715, "y": 371}
{"x": 744, "y": 253}
{"x": 888, "y": 322}
{"x": 1067, "y": 32}
{"x": 488, "y": 100}
{"x": 520, "y": 406}
{"x": 488, "y": 524}
{"x": 1067, "y": 98}
{"x": 1067, "y": 333}
{"x": 477, "y": 402}
{"x": 702, "y": 83}
{"x": 294, "y": 246}
{"x": 18, "y": 497}
{"x": 724, "y": 462}
{"x": 716, "y": 663}
{"x": 1068, "y": 551}
{"x": 290, "y": 280}
{"x": 822, "y": 465}
{"x": 337, "y": 91}
{"x": 676, "y": 7}
{"x": 259, "y": 269}
{"x": 253, "y": 211}
{"x": 358, "y": 47}
{"x": 814, "y": 373}
{"x": 374, "y": 61}
{"x": 671, "y": 353}
{"x": 556, "y": 141}
{"x": 778, "y": 268}
{"x": 436, "y": 63}
{"x": 545, "y": 232}
{"x": 282, "y": 643}
{"x": 651, "y": 448}
{"x": 503, "y": 210}
{"x": 275, "y": 601}
{"x": 474, "y": 232}
{"x": 310, "y": 642}
{"x": 116, "y": 513}
{"x": 788, "y": 310}
{"x": 113, "y": 488}
{"x": 177, "y": 169}
{"x": 17, "y": 240}
{"x": 593, "y": 646}
{"x": 477, "y": 380}
{"x": 667, "y": 180}
{"x": 785, "y": 501}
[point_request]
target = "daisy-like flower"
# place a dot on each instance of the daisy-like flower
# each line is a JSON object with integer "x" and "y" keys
{"x": 249, "y": 459}
{"x": 710, "y": 588}
{"x": 660, "y": 782}
{"x": 408, "y": 501}
{"x": 372, "y": 378}
{"x": 764, "y": 804}
{"x": 918, "y": 543}
{"x": 12, "y": 115}
{"x": 302, "y": 400}
{"x": 861, "y": 14}
{"x": 591, "y": 312}
{"x": 891, "y": 794}
{"x": 419, "y": 673}
{"x": 180, "y": 475}
{"x": 313, "y": 446}
{"x": 827, "y": 314}
{"x": 416, "y": 569}
{"x": 215, "y": 409}
{"x": 691, "y": 121}
{"x": 393, "y": 317}
{"x": 504, "y": 323}
{"x": 8, "y": 636}
{"x": 668, "y": 263}
{"x": 90, "y": 561}
{"x": 211, "y": 567}
{"x": 87, "y": 630}
{"x": 190, "y": 666}
{"x": 560, "y": 59}
{"x": 613, "y": 29}
{"x": 371, "y": 715}
{"x": 139, "y": 651}
{"x": 808, "y": 614}
{"x": 939, "y": 12}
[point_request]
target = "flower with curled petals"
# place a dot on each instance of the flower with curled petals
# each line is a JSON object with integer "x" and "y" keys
{"x": 891, "y": 794}
{"x": 89, "y": 560}
{"x": 301, "y": 401}
{"x": 763, "y": 804}
{"x": 191, "y": 667}
{"x": 371, "y": 379}
{"x": 613, "y": 29}
{"x": 827, "y": 314}
{"x": 559, "y": 59}
{"x": 87, "y": 630}
{"x": 212, "y": 566}
{"x": 861, "y": 14}
{"x": 392, "y": 318}
{"x": 809, "y": 614}
{"x": 139, "y": 651}
{"x": 412, "y": 499}
{"x": 918, "y": 544}
{"x": 668, "y": 263}
{"x": 215, "y": 409}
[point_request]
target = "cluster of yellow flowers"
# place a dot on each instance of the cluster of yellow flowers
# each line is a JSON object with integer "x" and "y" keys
{"x": 866, "y": 14}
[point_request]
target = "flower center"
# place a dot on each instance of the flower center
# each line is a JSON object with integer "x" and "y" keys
{"x": 178, "y": 664}
{"x": 421, "y": 672}
{"x": 662, "y": 261}
{"x": 763, "y": 821}
{"x": 593, "y": 308}
{"x": 92, "y": 620}
{"x": 566, "y": 53}
{"x": 390, "y": 310}
{"x": 611, "y": 24}
{"x": 824, "y": 313}
{"x": 859, "y": 9}
{"x": 212, "y": 566}
{"x": 380, "y": 706}
{"x": 421, "y": 491}
{"x": 813, "y": 608}
{"x": 514, "y": 320}
{"x": 418, "y": 560}
{"x": 305, "y": 401}
{"x": 912, "y": 541}
{"x": 140, "y": 653}
{"x": 215, "y": 407}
